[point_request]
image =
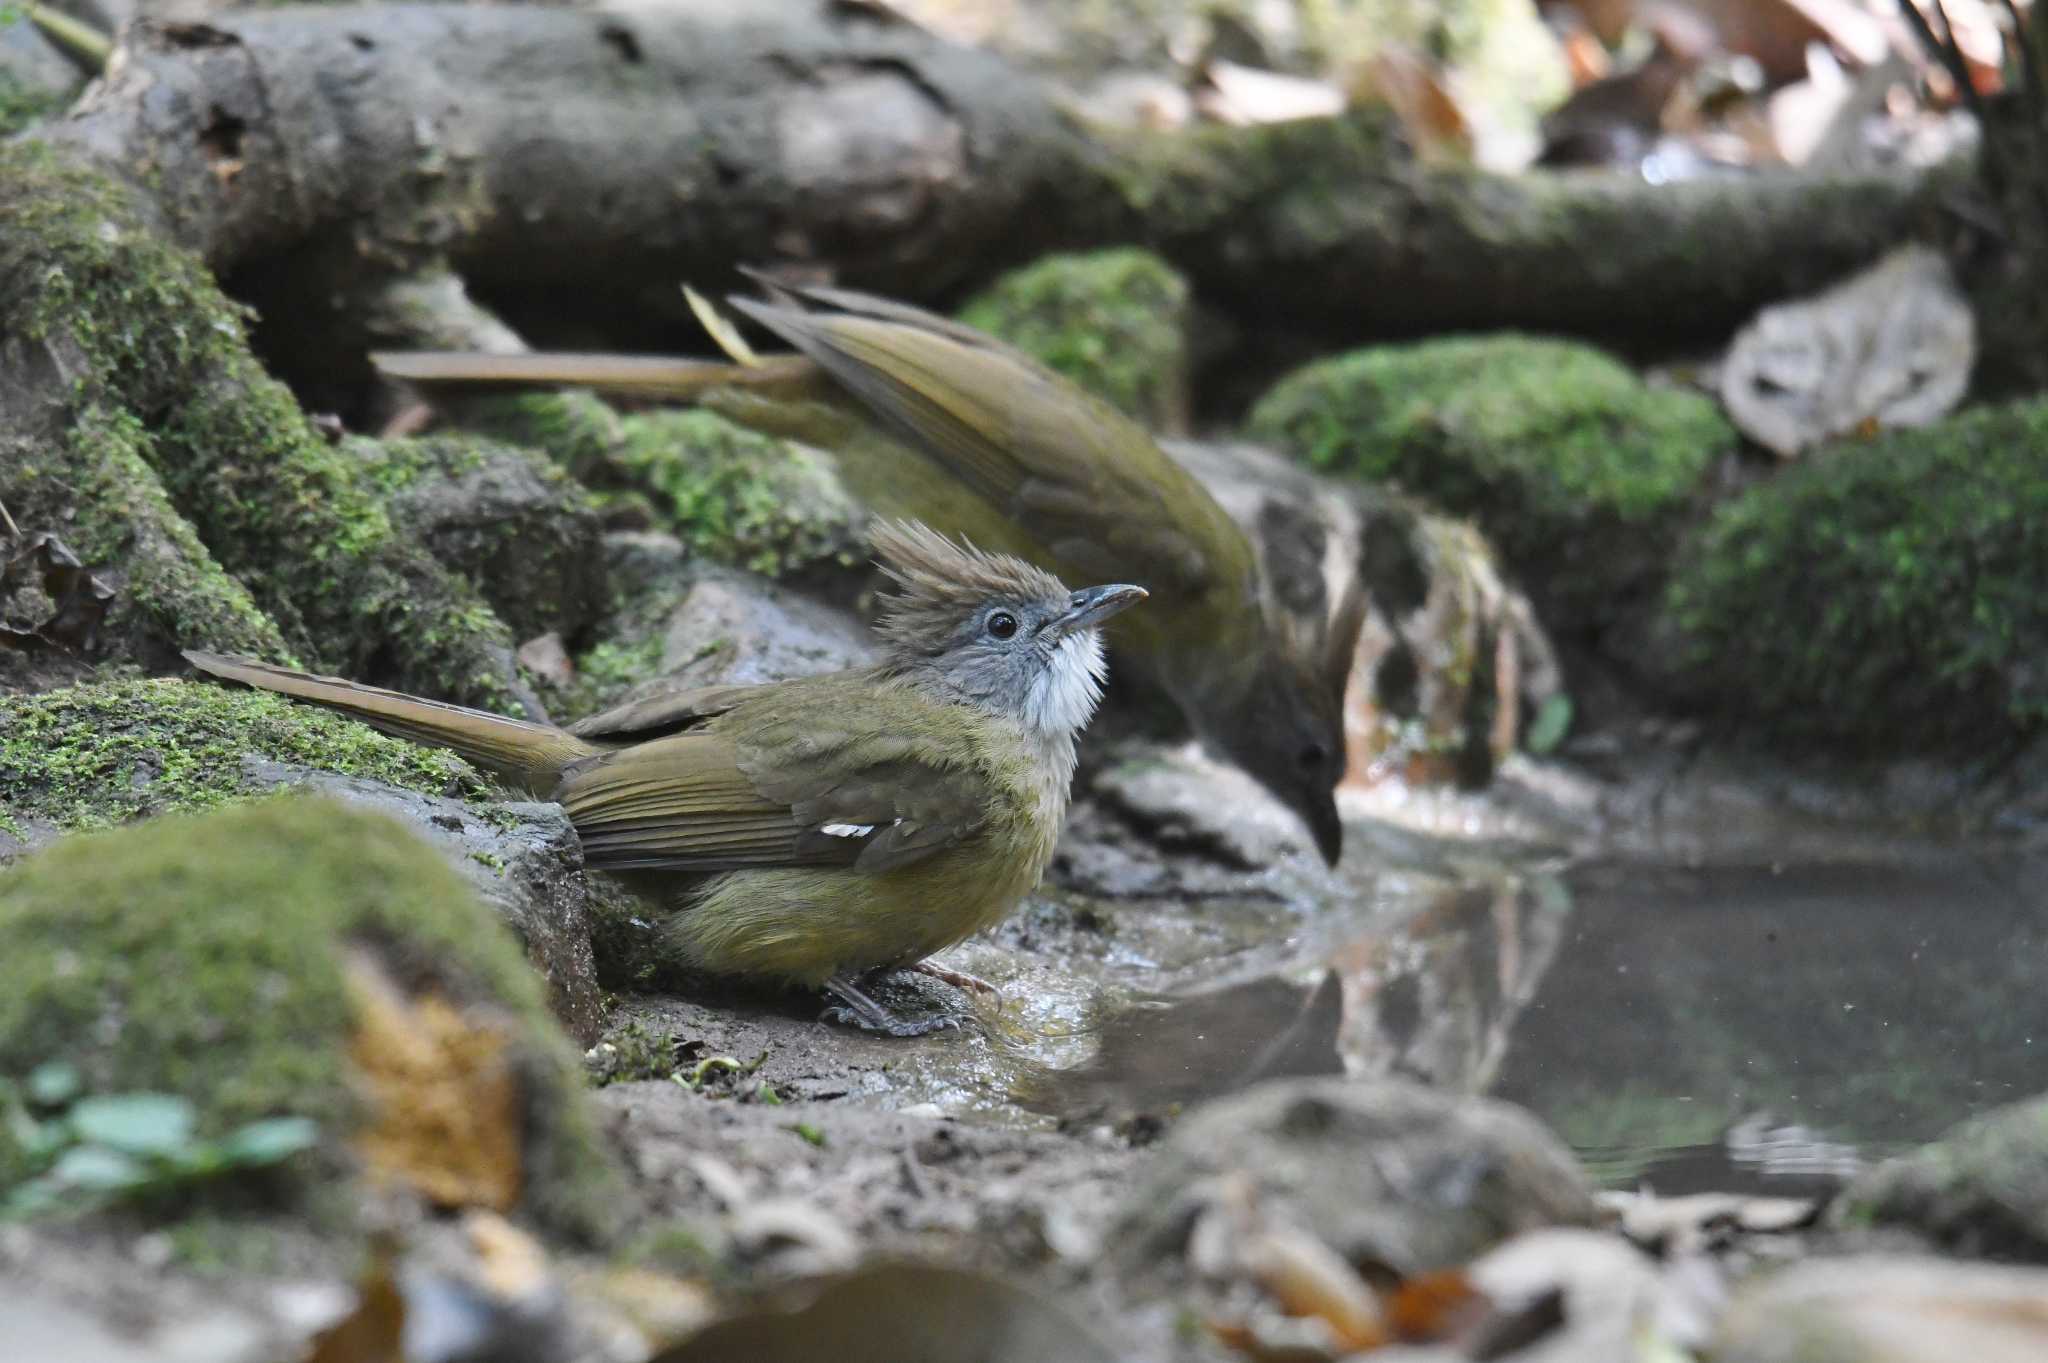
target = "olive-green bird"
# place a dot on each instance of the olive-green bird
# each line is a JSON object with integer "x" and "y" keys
{"x": 810, "y": 831}
{"x": 935, "y": 420}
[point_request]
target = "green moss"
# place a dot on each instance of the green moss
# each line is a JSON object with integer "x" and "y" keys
{"x": 170, "y": 579}
{"x": 90, "y": 756}
{"x": 276, "y": 504}
{"x": 21, "y": 106}
{"x": 739, "y": 497}
{"x": 204, "y": 956}
{"x": 1114, "y": 321}
{"x": 1890, "y": 595}
{"x": 1982, "y": 1187}
{"x": 1568, "y": 461}
{"x": 577, "y": 431}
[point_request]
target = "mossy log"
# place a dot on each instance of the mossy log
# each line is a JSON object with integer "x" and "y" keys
{"x": 572, "y": 165}
{"x": 136, "y": 423}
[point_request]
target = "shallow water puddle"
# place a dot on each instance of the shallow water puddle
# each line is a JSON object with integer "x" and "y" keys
{"x": 1740, "y": 1027}
{"x": 1768, "y": 1027}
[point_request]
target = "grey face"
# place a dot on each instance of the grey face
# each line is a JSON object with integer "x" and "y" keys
{"x": 1037, "y": 659}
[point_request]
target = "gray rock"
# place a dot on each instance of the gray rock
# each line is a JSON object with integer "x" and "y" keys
{"x": 1981, "y": 1189}
{"x": 1888, "y": 1310}
{"x": 1186, "y": 803}
{"x": 733, "y": 627}
{"x": 1384, "y": 1172}
{"x": 505, "y": 517}
{"x": 523, "y": 858}
{"x": 32, "y": 71}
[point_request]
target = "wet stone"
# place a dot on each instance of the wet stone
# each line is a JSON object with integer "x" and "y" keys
{"x": 1386, "y": 1173}
{"x": 1980, "y": 1189}
{"x": 1888, "y": 1310}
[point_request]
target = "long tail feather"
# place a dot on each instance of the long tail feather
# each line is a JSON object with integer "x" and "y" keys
{"x": 534, "y": 754}
{"x": 647, "y": 377}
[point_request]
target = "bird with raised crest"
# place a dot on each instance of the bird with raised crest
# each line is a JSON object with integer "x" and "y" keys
{"x": 817, "y": 830}
{"x": 935, "y": 420}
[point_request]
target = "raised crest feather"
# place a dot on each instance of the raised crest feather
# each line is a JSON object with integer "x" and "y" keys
{"x": 938, "y": 580}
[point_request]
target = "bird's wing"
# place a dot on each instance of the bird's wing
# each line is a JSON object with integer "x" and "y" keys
{"x": 657, "y": 716}
{"x": 842, "y": 784}
{"x": 1080, "y": 477}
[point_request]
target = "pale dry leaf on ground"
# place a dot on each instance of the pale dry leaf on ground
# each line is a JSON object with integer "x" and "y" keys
{"x": 1891, "y": 346}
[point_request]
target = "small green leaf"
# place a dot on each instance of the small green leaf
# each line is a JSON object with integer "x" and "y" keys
{"x": 815, "y": 1135}
{"x": 138, "y": 1123}
{"x": 98, "y": 1169}
{"x": 766, "y": 1094}
{"x": 1553, "y": 721}
{"x": 53, "y": 1084}
{"x": 270, "y": 1141}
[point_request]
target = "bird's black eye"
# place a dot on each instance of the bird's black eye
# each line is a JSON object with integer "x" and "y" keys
{"x": 1312, "y": 756}
{"x": 1002, "y": 625}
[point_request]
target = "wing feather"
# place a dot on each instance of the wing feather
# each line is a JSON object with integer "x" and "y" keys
{"x": 762, "y": 782}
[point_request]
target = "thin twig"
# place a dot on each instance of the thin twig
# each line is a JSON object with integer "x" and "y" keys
{"x": 13, "y": 530}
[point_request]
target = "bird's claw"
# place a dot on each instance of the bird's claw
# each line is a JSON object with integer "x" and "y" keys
{"x": 889, "y": 1025}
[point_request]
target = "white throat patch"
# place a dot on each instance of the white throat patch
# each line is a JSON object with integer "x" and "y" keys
{"x": 1063, "y": 696}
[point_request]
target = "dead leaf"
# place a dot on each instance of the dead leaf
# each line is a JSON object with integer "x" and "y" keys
{"x": 1428, "y": 112}
{"x": 77, "y": 599}
{"x": 894, "y": 1312}
{"x": 445, "y": 1098}
{"x": 1308, "y": 1278}
{"x": 372, "y": 1332}
{"x": 1431, "y": 1307}
{"x": 510, "y": 1264}
{"x": 1243, "y": 95}
{"x": 1893, "y": 344}
{"x": 547, "y": 657}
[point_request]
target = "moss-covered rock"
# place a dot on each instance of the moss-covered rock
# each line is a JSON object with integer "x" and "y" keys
{"x": 507, "y": 519}
{"x": 1982, "y": 1188}
{"x": 739, "y": 497}
{"x": 250, "y": 961}
{"x": 1575, "y": 468}
{"x": 91, "y": 756}
{"x": 1885, "y": 595}
{"x": 1115, "y": 322}
{"x": 22, "y": 105}
{"x": 139, "y": 363}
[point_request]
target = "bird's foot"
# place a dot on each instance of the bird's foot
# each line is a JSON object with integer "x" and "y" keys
{"x": 959, "y": 979}
{"x": 889, "y": 1024}
{"x": 856, "y": 1009}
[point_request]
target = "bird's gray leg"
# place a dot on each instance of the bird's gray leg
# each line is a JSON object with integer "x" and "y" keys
{"x": 959, "y": 979}
{"x": 863, "y": 1012}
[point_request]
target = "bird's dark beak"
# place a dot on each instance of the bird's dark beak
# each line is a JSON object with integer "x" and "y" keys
{"x": 1322, "y": 820}
{"x": 1092, "y": 605}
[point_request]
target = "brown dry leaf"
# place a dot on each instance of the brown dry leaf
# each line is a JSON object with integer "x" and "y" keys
{"x": 444, "y": 1094}
{"x": 1308, "y": 1278}
{"x": 1430, "y": 1307}
{"x": 372, "y": 1332}
{"x": 71, "y": 600}
{"x": 1586, "y": 58}
{"x": 547, "y": 657}
{"x": 1429, "y": 114}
